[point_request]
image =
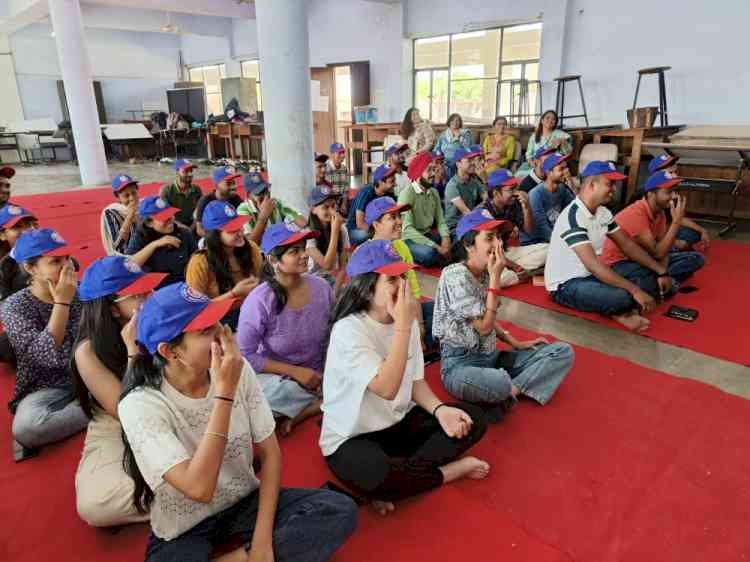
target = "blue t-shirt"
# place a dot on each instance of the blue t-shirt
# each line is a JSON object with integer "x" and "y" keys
{"x": 363, "y": 198}
{"x": 546, "y": 207}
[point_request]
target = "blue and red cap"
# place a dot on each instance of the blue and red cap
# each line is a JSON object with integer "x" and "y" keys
{"x": 321, "y": 193}
{"x": 502, "y": 178}
{"x": 183, "y": 165}
{"x": 174, "y": 310}
{"x": 552, "y": 161}
{"x": 337, "y": 147}
{"x": 37, "y": 243}
{"x": 256, "y": 183}
{"x": 543, "y": 150}
{"x": 394, "y": 148}
{"x": 477, "y": 220}
{"x": 602, "y": 168}
{"x": 382, "y": 173}
{"x": 661, "y": 180}
{"x": 282, "y": 234}
{"x": 11, "y": 214}
{"x": 218, "y": 215}
{"x": 377, "y": 256}
{"x": 122, "y": 181}
{"x": 437, "y": 156}
{"x": 117, "y": 275}
{"x": 383, "y": 206}
{"x": 224, "y": 173}
{"x": 462, "y": 153}
{"x": 154, "y": 207}
{"x": 660, "y": 162}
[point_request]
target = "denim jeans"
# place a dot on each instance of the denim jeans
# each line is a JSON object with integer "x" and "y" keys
{"x": 683, "y": 264}
{"x": 487, "y": 378}
{"x": 588, "y": 294}
{"x": 428, "y": 307}
{"x": 688, "y": 235}
{"x": 310, "y": 525}
{"x": 46, "y": 416}
{"x": 357, "y": 236}
{"x": 425, "y": 255}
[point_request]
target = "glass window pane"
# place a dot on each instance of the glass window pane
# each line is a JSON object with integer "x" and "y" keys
{"x": 504, "y": 105}
{"x": 196, "y": 75}
{"x": 532, "y": 71}
{"x": 422, "y": 93}
{"x": 439, "y": 96}
{"x": 534, "y": 108}
{"x": 475, "y": 54}
{"x": 250, "y": 69}
{"x": 257, "y": 93}
{"x": 431, "y": 52}
{"x": 223, "y": 70}
{"x": 214, "y": 104}
{"x": 211, "y": 79}
{"x": 474, "y": 100}
{"x": 522, "y": 42}
{"x": 511, "y": 71}
{"x": 343, "y": 93}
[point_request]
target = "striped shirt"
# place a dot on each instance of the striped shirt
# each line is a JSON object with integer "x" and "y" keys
{"x": 575, "y": 226}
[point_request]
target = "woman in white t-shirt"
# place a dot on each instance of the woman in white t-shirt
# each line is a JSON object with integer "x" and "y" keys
{"x": 385, "y": 433}
{"x": 193, "y": 416}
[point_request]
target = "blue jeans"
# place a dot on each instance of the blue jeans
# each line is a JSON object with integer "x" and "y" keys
{"x": 310, "y": 525}
{"x": 47, "y": 416}
{"x": 428, "y": 307}
{"x": 688, "y": 235}
{"x": 357, "y": 236}
{"x": 487, "y": 378}
{"x": 588, "y": 294}
{"x": 683, "y": 264}
{"x": 425, "y": 255}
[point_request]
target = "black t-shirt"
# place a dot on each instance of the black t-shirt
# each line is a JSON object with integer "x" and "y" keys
{"x": 13, "y": 277}
{"x": 235, "y": 201}
{"x": 528, "y": 183}
{"x": 167, "y": 259}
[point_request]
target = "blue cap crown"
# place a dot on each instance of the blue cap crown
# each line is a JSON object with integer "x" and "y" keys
{"x": 108, "y": 276}
{"x": 661, "y": 161}
{"x": 153, "y": 205}
{"x": 321, "y": 193}
{"x": 381, "y": 206}
{"x": 398, "y": 147}
{"x": 337, "y": 147}
{"x": 661, "y": 180}
{"x": 282, "y": 234}
{"x": 376, "y": 256}
{"x": 223, "y": 173}
{"x": 218, "y": 214}
{"x": 10, "y": 214}
{"x": 478, "y": 219}
{"x": 183, "y": 164}
{"x": 381, "y": 172}
{"x": 462, "y": 153}
{"x": 601, "y": 168}
{"x": 543, "y": 150}
{"x": 552, "y": 161}
{"x": 255, "y": 183}
{"x": 123, "y": 180}
{"x": 39, "y": 242}
{"x": 501, "y": 177}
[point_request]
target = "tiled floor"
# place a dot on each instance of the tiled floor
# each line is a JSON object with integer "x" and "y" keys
{"x": 728, "y": 376}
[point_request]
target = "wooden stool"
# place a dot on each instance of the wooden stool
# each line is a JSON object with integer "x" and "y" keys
{"x": 659, "y": 70}
{"x": 224, "y": 132}
{"x": 560, "y": 100}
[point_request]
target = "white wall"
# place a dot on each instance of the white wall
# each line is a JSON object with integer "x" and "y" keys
{"x": 704, "y": 43}
{"x": 134, "y": 67}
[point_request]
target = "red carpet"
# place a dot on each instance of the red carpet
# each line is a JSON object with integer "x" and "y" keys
{"x": 724, "y": 311}
{"x": 625, "y": 464}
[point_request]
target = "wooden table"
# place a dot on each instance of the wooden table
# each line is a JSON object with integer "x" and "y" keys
{"x": 252, "y": 133}
{"x": 634, "y": 137}
{"x": 369, "y": 132}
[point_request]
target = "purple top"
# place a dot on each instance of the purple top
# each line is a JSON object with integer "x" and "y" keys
{"x": 295, "y": 336}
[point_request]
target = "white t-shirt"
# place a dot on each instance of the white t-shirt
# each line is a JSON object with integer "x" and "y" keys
{"x": 164, "y": 429}
{"x": 358, "y": 347}
{"x": 576, "y": 225}
{"x": 344, "y": 243}
{"x": 402, "y": 182}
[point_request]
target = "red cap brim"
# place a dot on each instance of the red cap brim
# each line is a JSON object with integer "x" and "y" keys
{"x": 615, "y": 176}
{"x": 123, "y": 186}
{"x": 490, "y": 225}
{"x": 397, "y": 209}
{"x": 186, "y": 168}
{"x": 167, "y": 213}
{"x": 670, "y": 184}
{"x": 235, "y": 224}
{"x": 297, "y": 236}
{"x": 61, "y": 251}
{"x": 512, "y": 181}
{"x": 396, "y": 268}
{"x": 668, "y": 162}
{"x": 145, "y": 284}
{"x": 215, "y": 311}
{"x": 15, "y": 220}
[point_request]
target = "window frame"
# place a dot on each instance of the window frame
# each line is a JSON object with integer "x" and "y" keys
{"x": 529, "y": 118}
{"x": 258, "y": 89}
{"x": 222, "y": 70}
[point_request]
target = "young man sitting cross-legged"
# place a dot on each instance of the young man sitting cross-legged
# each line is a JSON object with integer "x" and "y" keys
{"x": 645, "y": 221}
{"x": 577, "y": 277}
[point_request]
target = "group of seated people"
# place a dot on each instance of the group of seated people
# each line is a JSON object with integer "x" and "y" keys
{"x": 215, "y": 323}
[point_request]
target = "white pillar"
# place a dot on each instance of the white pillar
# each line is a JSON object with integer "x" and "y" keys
{"x": 285, "y": 67}
{"x": 79, "y": 90}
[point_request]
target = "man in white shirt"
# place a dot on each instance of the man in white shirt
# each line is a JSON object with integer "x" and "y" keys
{"x": 576, "y": 276}
{"x": 396, "y": 158}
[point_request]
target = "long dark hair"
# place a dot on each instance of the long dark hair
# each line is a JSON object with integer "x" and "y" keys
{"x": 459, "y": 251}
{"x": 322, "y": 241}
{"x": 218, "y": 260}
{"x": 538, "y": 133}
{"x": 145, "y": 370}
{"x": 451, "y": 117}
{"x": 278, "y": 289}
{"x": 99, "y": 326}
{"x": 146, "y": 234}
{"x": 499, "y": 118}
{"x": 352, "y": 298}
{"x": 407, "y": 127}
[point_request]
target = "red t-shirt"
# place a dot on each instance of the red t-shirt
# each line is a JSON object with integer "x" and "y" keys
{"x": 633, "y": 220}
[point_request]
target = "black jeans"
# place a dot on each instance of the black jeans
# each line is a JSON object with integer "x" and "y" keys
{"x": 403, "y": 460}
{"x": 310, "y": 525}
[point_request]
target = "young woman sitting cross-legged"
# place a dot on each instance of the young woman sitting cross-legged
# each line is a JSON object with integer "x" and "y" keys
{"x": 385, "y": 433}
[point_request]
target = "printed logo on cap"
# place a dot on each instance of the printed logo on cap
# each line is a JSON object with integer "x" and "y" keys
{"x": 191, "y": 295}
{"x": 123, "y": 178}
{"x": 132, "y": 267}
{"x": 57, "y": 238}
{"x": 13, "y": 210}
{"x": 160, "y": 203}
{"x": 229, "y": 211}
{"x": 325, "y": 190}
{"x": 486, "y": 214}
{"x": 611, "y": 166}
{"x": 255, "y": 178}
{"x": 230, "y": 170}
{"x": 669, "y": 175}
{"x": 391, "y": 252}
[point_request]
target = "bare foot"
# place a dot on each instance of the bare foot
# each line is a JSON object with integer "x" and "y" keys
{"x": 467, "y": 467}
{"x": 284, "y": 427}
{"x": 645, "y": 323}
{"x": 382, "y": 508}
{"x": 632, "y": 321}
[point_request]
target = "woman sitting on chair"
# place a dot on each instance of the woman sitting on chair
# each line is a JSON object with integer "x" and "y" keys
{"x": 546, "y": 134}
{"x": 499, "y": 146}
